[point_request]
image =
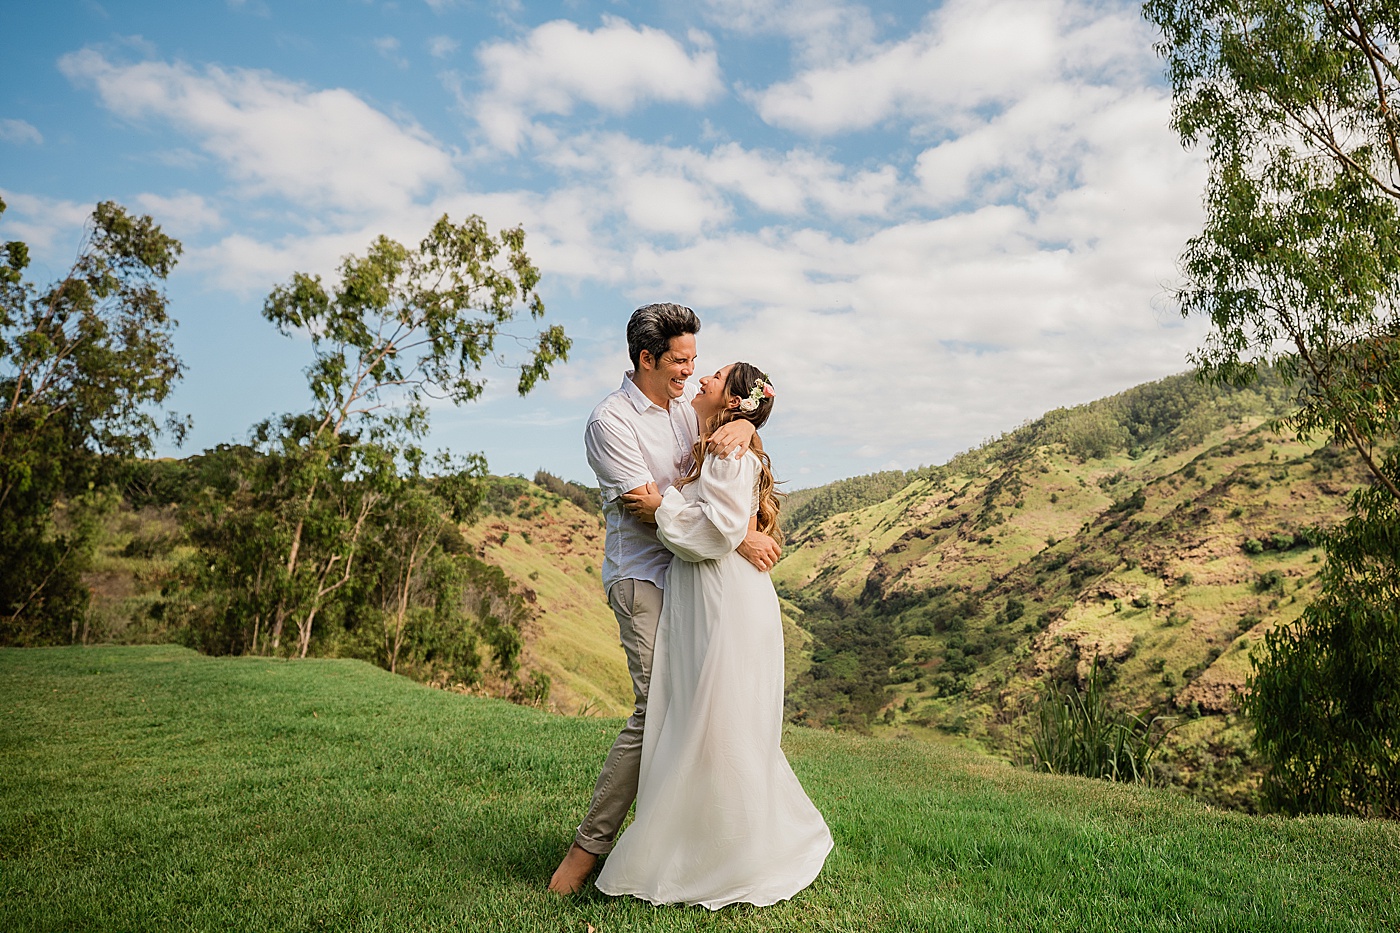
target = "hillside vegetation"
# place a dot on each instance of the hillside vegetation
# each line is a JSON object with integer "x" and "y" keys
{"x": 1160, "y": 531}
{"x": 155, "y": 788}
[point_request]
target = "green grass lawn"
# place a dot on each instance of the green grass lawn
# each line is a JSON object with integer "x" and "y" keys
{"x": 156, "y": 789}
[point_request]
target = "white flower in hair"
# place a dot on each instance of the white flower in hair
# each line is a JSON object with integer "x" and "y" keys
{"x": 761, "y": 390}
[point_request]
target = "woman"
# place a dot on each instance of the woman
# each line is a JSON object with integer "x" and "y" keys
{"x": 720, "y": 818}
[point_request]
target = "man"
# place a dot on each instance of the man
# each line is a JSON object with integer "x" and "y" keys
{"x": 641, "y": 434}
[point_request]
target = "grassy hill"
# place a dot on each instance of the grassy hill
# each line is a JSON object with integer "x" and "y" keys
{"x": 1161, "y": 531}
{"x": 154, "y": 789}
{"x": 552, "y": 550}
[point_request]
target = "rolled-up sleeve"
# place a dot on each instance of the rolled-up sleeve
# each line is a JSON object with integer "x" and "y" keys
{"x": 615, "y": 456}
{"x": 714, "y": 521}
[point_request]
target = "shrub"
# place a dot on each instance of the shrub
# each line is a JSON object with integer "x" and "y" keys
{"x": 1253, "y": 546}
{"x": 1324, "y": 698}
{"x": 1075, "y": 732}
{"x": 149, "y": 546}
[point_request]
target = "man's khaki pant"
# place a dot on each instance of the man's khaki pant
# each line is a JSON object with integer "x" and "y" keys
{"x": 637, "y": 605}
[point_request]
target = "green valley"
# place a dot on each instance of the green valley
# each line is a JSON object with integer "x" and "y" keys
{"x": 1157, "y": 534}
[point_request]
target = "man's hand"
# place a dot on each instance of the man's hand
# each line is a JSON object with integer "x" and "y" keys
{"x": 736, "y": 435}
{"x": 643, "y": 502}
{"x": 760, "y": 550}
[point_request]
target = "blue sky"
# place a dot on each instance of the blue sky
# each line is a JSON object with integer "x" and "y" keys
{"x": 927, "y": 222}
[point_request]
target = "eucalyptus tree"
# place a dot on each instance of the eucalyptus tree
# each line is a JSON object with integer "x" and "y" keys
{"x": 399, "y": 328}
{"x": 84, "y": 364}
{"x": 1298, "y": 265}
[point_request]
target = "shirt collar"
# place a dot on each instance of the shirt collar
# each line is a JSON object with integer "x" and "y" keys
{"x": 635, "y": 395}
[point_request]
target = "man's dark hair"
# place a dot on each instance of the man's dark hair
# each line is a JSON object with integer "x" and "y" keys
{"x": 652, "y": 327}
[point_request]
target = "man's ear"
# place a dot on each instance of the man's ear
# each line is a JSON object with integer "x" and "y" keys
{"x": 645, "y": 360}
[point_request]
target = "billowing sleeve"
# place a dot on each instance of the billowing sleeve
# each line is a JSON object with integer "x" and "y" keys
{"x": 714, "y": 521}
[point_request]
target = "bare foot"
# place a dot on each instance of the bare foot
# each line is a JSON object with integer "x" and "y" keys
{"x": 573, "y": 872}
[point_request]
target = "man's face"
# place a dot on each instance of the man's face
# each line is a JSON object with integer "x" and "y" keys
{"x": 675, "y": 366}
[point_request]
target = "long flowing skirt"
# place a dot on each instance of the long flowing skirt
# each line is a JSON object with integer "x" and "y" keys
{"x": 721, "y": 818}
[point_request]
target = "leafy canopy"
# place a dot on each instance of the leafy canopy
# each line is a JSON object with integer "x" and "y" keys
{"x": 84, "y": 364}
{"x": 1299, "y": 264}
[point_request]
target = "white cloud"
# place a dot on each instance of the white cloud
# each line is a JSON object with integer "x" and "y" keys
{"x": 971, "y": 55}
{"x": 614, "y": 68}
{"x": 789, "y": 184}
{"x": 822, "y": 30}
{"x": 318, "y": 148}
{"x": 442, "y": 46}
{"x": 182, "y": 214}
{"x": 20, "y": 132}
{"x": 996, "y": 249}
{"x": 668, "y": 204}
{"x": 52, "y": 227}
{"x": 913, "y": 340}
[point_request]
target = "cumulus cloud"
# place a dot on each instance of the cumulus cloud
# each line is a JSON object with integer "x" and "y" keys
{"x": 182, "y": 214}
{"x": 1017, "y": 266}
{"x": 316, "y": 148}
{"x": 614, "y": 68}
{"x": 982, "y": 230}
{"x": 971, "y": 55}
{"x": 821, "y": 30}
{"x": 912, "y": 340}
{"x": 20, "y": 132}
{"x": 726, "y": 178}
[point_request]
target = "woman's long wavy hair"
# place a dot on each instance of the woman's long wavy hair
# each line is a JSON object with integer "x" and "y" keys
{"x": 742, "y": 378}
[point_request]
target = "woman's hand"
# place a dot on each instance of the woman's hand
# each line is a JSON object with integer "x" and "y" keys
{"x": 643, "y": 502}
{"x": 736, "y": 435}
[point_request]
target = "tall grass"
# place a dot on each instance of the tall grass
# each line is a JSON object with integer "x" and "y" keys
{"x": 1076, "y": 732}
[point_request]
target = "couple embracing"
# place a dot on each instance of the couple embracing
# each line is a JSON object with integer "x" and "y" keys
{"x": 691, "y": 516}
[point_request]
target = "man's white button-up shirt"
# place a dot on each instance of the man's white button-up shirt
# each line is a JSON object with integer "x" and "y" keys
{"x": 632, "y": 441}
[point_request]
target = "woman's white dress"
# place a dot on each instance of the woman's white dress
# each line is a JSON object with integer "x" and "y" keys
{"x": 720, "y": 818}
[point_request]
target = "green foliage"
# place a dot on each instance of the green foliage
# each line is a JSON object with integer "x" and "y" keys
{"x": 585, "y": 497}
{"x": 83, "y": 362}
{"x": 1325, "y": 696}
{"x": 1178, "y": 411}
{"x": 1091, "y": 433}
{"x": 1075, "y": 731}
{"x": 854, "y": 648}
{"x": 805, "y": 507}
{"x": 340, "y": 485}
{"x": 1298, "y": 266}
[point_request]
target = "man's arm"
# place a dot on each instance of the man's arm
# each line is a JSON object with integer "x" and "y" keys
{"x": 642, "y": 502}
{"x": 736, "y": 435}
{"x": 758, "y": 548}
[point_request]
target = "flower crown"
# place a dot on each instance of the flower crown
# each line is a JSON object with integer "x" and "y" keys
{"x": 762, "y": 389}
